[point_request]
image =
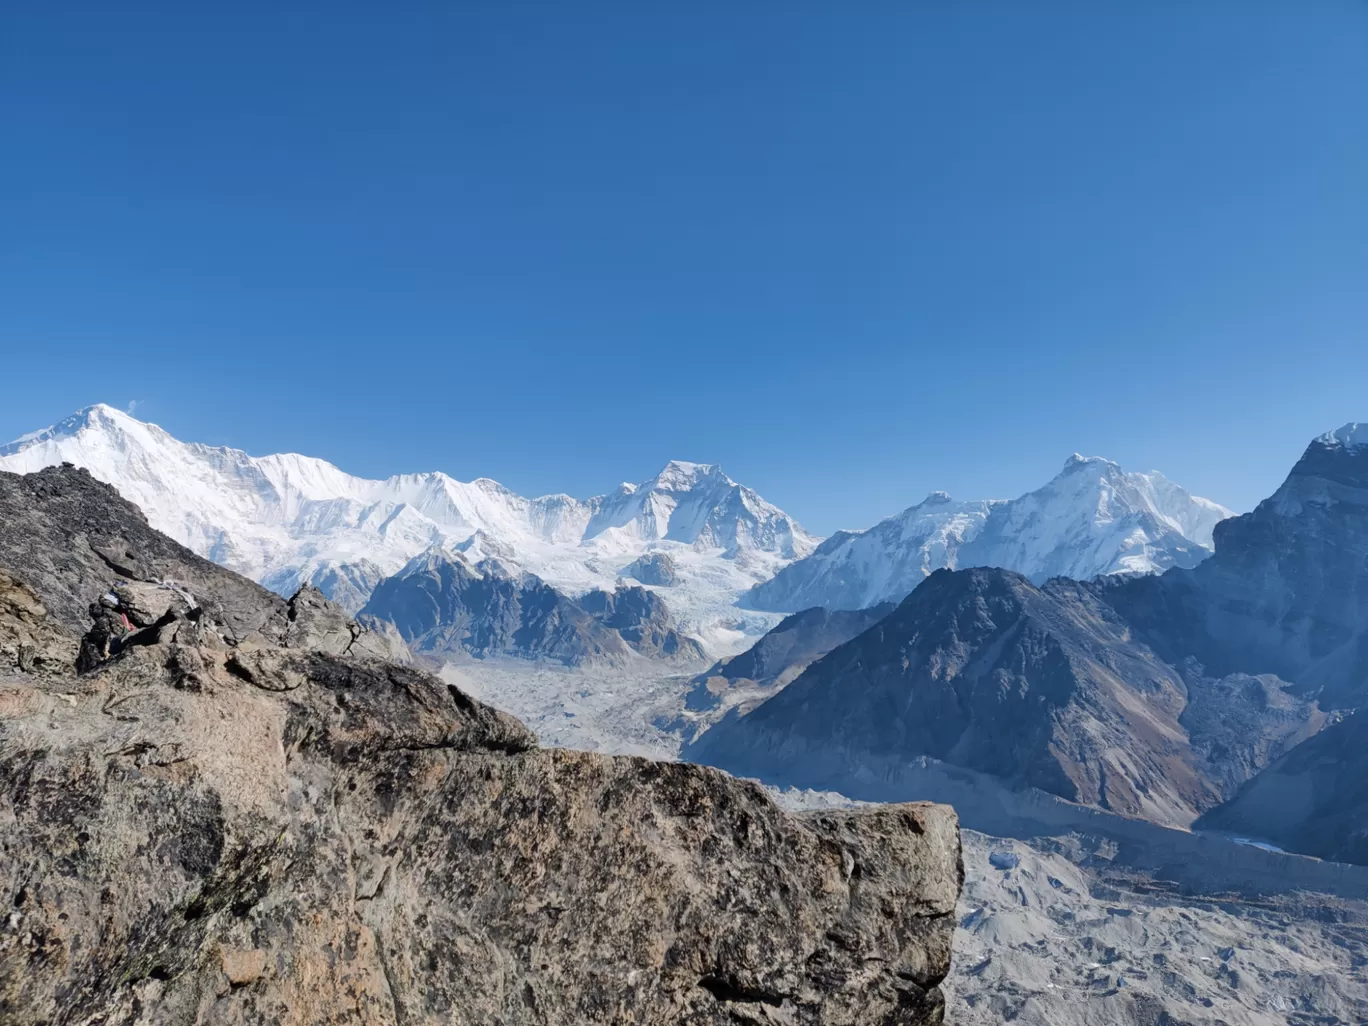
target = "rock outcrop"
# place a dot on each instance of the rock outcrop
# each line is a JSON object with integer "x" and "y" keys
{"x": 654, "y": 568}
{"x": 243, "y": 818}
{"x": 72, "y": 539}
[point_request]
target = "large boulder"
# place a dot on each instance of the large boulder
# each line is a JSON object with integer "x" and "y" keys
{"x": 264, "y": 834}
{"x": 253, "y": 821}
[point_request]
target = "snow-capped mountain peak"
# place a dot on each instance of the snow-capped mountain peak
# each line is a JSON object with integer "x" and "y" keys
{"x": 681, "y": 475}
{"x": 287, "y": 519}
{"x": 1351, "y": 436}
{"x": 1092, "y": 518}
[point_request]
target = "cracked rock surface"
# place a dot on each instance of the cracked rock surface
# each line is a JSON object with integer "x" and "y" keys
{"x": 247, "y": 818}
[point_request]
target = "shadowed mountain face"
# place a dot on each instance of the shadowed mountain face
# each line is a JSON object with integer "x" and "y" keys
{"x": 642, "y": 620}
{"x": 745, "y": 680}
{"x": 1151, "y": 696}
{"x": 1286, "y": 591}
{"x": 440, "y": 603}
{"x": 1041, "y": 687}
{"x": 1314, "y": 799}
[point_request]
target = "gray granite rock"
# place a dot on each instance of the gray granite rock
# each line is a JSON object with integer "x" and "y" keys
{"x": 251, "y": 822}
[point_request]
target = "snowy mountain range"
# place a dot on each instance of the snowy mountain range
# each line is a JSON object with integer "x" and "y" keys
{"x": 1092, "y": 519}
{"x": 691, "y": 531}
{"x": 286, "y": 520}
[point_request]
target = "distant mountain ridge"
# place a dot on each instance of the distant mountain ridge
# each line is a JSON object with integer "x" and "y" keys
{"x": 444, "y": 606}
{"x": 1092, "y": 519}
{"x": 287, "y": 519}
{"x": 1200, "y": 691}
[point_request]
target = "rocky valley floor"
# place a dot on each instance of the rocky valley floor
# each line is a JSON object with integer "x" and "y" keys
{"x": 616, "y": 712}
{"x": 1050, "y": 932}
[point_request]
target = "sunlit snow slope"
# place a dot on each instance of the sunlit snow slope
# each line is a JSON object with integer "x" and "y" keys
{"x": 287, "y": 519}
{"x": 1093, "y": 518}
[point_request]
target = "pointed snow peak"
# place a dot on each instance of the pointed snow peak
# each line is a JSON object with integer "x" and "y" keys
{"x": 1078, "y": 461}
{"x": 681, "y": 475}
{"x": 489, "y": 486}
{"x": 99, "y": 417}
{"x": 1351, "y": 436}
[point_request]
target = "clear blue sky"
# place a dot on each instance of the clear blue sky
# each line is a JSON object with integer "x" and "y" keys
{"x": 853, "y": 252}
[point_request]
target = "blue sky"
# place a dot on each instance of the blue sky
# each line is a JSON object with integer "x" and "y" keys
{"x": 851, "y": 252}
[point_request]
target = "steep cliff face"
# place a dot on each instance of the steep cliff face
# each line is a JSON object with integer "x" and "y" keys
{"x": 252, "y": 822}
{"x": 1287, "y": 589}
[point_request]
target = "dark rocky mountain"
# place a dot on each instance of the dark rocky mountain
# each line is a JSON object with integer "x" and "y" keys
{"x": 1040, "y": 687}
{"x": 440, "y": 603}
{"x": 642, "y": 620}
{"x": 1313, "y": 800}
{"x": 1286, "y": 591}
{"x": 1151, "y": 696}
{"x": 745, "y": 680}
{"x": 654, "y": 568}
{"x": 237, "y": 814}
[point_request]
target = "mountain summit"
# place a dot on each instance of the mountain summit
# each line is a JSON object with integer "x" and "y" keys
{"x": 1092, "y": 519}
{"x": 287, "y": 520}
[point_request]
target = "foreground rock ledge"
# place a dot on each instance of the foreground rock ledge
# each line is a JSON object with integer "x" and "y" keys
{"x": 242, "y": 834}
